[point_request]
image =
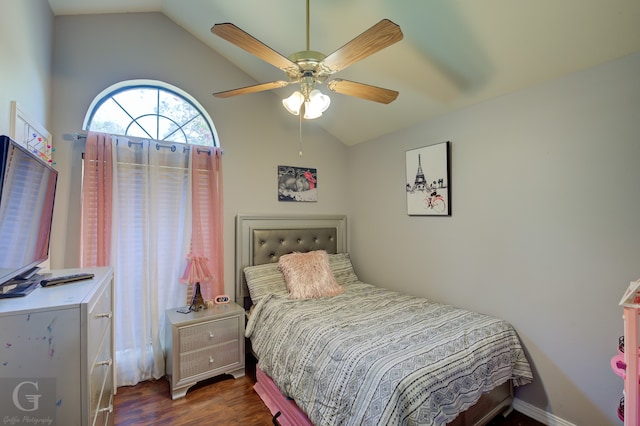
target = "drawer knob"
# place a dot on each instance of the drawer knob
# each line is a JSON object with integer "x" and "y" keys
{"x": 107, "y": 362}
{"x": 211, "y": 360}
{"x": 104, "y": 315}
{"x": 106, "y": 409}
{"x": 211, "y": 335}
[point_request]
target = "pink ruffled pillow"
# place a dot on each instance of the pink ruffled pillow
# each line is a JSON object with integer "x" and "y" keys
{"x": 308, "y": 275}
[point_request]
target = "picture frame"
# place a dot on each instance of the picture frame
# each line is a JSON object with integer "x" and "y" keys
{"x": 297, "y": 184}
{"x": 428, "y": 180}
{"x": 28, "y": 132}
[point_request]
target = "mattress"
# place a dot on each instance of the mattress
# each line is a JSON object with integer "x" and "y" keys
{"x": 371, "y": 356}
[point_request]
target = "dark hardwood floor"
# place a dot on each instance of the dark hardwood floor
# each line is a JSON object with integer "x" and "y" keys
{"x": 218, "y": 401}
{"x": 221, "y": 400}
{"x": 515, "y": 418}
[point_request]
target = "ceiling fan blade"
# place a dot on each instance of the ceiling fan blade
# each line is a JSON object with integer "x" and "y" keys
{"x": 381, "y": 35}
{"x": 362, "y": 91}
{"x": 251, "y": 89}
{"x": 245, "y": 41}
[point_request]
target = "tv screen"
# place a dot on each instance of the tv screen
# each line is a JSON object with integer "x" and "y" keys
{"x": 27, "y": 192}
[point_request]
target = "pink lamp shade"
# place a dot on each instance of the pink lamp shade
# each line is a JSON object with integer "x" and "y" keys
{"x": 195, "y": 273}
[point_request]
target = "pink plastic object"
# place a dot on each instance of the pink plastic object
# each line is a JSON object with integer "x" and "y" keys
{"x": 619, "y": 366}
{"x": 631, "y": 387}
{"x": 290, "y": 414}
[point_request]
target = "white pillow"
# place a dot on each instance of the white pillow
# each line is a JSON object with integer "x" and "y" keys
{"x": 342, "y": 269}
{"x": 263, "y": 280}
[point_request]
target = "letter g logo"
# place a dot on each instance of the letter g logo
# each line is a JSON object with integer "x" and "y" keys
{"x": 33, "y": 399}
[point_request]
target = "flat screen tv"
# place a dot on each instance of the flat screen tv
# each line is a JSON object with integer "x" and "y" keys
{"x": 27, "y": 193}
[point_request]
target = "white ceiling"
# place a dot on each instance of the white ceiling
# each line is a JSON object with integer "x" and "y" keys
{"x": 454, "y": 53}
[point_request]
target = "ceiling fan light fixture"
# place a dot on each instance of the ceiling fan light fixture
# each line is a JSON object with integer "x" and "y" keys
{"x": 310, "y": 68}
{"x": 317, "y": 104}
{"x": 293, "y": 103}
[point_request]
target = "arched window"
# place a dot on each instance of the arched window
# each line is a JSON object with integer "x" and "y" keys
{"x": 151, "y": 110}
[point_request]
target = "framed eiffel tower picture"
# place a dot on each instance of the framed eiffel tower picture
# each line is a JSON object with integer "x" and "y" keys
{"x": 427, "y": 181}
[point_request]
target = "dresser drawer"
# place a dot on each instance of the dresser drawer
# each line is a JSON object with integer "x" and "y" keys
{"x": 209, "y": 359}
{"x": 209, "y": 333}
{"x": 98, "y": 320}
{"x": 104, "y": 415}
{"x": 100, "y": 378}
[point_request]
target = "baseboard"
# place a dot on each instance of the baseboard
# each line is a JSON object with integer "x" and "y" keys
{"x": 539, "y": 414}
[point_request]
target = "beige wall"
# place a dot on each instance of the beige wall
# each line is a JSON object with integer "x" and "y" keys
{"x": 25, "y": 59}
{"x": 544, "y": 230}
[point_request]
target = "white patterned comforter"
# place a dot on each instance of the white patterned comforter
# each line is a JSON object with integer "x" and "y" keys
{"x": 375, "y": 357}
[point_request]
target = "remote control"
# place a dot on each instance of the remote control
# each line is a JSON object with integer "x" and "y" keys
{"x": 49, "y": 282}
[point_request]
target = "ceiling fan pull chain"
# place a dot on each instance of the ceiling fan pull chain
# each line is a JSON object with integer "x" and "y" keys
{"x": 300, "y": 135}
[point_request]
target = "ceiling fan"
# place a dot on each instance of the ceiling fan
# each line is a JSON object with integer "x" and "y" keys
{"x": 310, "y": 68}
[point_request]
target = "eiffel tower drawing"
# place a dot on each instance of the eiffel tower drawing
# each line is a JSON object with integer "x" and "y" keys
{"x": 420, "y": 183}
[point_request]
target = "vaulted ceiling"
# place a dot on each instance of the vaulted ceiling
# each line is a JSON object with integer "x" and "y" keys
{"x": 454, "y": 53}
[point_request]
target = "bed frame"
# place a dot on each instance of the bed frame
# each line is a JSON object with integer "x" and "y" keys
{"x": 264, "y": 238}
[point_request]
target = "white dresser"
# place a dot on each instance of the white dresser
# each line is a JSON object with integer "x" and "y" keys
{"x": 203, "y": 344}
{"x": 56, "y": 358}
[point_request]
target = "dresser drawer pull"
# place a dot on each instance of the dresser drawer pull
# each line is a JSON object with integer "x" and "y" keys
{"x": 211, "y": 360}
{"x": 107, "y": 362}
{"x": 106, "y": 409}
{"x": 105, "y": 315}
{"x": 212, "y": 335}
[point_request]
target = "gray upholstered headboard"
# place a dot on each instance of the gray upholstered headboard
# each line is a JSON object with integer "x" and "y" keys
{"x": 264, "y": 238}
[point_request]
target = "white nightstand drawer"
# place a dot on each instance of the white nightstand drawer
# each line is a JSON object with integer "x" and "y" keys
{"x": 208, "y": 359}
{"x": 208, "y": 334}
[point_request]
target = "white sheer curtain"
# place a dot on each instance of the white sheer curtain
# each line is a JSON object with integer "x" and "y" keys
{"x": 150, "y": 239}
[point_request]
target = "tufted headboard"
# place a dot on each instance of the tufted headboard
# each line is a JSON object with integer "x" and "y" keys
{"x": 264, "y": 238}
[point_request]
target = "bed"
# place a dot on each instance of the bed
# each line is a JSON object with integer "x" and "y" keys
{"x": 362, "y": 355}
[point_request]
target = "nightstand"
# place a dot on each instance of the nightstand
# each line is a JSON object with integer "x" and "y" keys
{"x": 203, "y": 344}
